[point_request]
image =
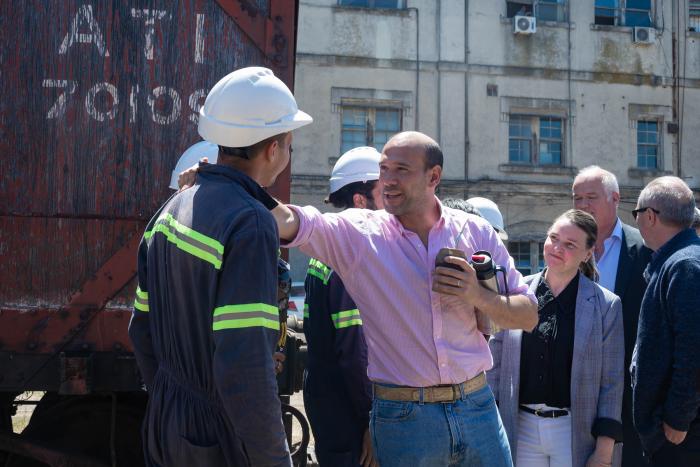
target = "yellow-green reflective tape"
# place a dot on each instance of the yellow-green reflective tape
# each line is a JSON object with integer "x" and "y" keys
{"x": 306, "y": 310}
{"x": 246, "y": 315}
{"x": 189, "y": 240}
{"x": 319, "y": 265}
{"x": 140, "y": 293}
{"x": 315, "y": 273}
{"x": 141, "y": 301}
{"x": 346, "y": 319}
{"x": 319, "y": 270}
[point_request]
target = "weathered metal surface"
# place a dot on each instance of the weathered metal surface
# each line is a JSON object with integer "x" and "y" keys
{"x": 109, "y": 371}
{"x": 99, "y": 99}
{"x": 53, "y": 457}
{"x": 76, "y": 374}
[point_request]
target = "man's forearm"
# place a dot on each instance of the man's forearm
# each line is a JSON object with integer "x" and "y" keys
{"x": 287, "y": 222}
{"x": 514, "y": 312}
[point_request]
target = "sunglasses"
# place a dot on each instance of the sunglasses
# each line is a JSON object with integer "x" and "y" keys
{"x": 637, "y": 211}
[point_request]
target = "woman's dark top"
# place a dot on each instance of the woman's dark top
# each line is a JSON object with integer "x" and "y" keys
{"x": 547, "y": 352}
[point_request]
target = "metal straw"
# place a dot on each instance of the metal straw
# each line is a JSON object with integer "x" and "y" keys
{"x": 454, "y": 240}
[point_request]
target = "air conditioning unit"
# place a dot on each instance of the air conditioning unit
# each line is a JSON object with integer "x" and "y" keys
{"x": 644, "y": 35}
{"x": 524, "y": 25}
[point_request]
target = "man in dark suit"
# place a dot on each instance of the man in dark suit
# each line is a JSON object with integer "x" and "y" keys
{"x": 621, "y": 258}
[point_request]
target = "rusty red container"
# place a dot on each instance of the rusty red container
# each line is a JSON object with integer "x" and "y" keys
{"x": 98, "y": 101}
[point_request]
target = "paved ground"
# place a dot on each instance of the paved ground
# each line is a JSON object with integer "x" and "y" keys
{"x": 298, "y": 402}
{"x": 24, "y": 413}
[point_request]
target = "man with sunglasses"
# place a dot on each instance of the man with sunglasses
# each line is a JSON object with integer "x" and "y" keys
{"x": 621, "y": 257}
{"x": 665, "y": 365}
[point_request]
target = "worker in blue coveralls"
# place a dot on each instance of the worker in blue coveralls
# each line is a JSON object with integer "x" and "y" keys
{"x": 205, "y": 319}
{"x": 337, "y": 391}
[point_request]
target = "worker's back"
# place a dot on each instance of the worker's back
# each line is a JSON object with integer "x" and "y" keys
{"x": 210, "y": 273}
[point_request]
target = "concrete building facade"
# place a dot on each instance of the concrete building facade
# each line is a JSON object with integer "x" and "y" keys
{"x": 609, "y": 82}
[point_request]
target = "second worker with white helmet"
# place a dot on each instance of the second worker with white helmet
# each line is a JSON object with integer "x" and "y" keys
{"x": 337, "y": 391}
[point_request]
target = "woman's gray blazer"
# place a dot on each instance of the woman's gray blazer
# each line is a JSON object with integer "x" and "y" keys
{"x": 597, "y": 369}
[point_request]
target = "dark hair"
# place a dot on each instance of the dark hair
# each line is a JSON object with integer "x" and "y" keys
{"x": 433, "y": 156}
{"x": 251, "y": 151}
{"x": 587, "y": 223}
{"x": 342, "y": 199}
{"x": 462, "y": 205}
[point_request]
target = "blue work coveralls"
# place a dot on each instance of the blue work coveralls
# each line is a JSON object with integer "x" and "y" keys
{"x": 337, "y": 391}
{"x": 205, "y": 325}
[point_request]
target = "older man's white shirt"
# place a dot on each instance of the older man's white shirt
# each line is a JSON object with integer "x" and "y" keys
{"x": 607, "y": 264}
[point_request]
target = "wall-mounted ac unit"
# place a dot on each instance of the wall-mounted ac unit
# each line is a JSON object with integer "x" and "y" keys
{"x": 524, "y": 25}
{"x": 644, "y": 35}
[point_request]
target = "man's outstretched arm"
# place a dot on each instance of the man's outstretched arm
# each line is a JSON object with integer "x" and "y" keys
{"x": 287, "y": 220}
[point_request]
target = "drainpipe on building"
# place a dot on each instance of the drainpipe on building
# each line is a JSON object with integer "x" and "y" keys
{"x": 438, "y": 32}
{"x": 568, "y": 79}
{"x": 675, "y": 89}
{"x": 678, "y": 86}
{"x": 466, "y": 96}
{"x": 415, "y": 10}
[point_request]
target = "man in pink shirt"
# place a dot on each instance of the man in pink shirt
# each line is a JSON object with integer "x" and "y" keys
{"x": 427, "y": 358}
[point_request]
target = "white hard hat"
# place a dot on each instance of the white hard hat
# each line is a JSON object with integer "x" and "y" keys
{"x": 248, "y": 106}
{"x": 489, "y": 211}
{"x": 357, "y": 165}
{"x": 191, "y": 156}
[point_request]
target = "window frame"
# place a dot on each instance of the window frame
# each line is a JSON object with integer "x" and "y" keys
{"x": 694, "y": 6}
{"x": 400, "y": 5}
{"x": 536, "y": 139}
{"x": 370, "y": 121}
{"x": 535, "y": 255}
{"x": 620, "y": 14}
{"x": 534, "y": 9}
{"x": 658, "y": 145}
{"x": 515, "y": 3}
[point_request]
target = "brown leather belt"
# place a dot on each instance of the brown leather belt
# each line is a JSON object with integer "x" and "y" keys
{"x": 431, "y": 394}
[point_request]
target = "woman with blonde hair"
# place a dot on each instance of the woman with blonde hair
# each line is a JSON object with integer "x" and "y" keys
{"x": 560, "y": 387}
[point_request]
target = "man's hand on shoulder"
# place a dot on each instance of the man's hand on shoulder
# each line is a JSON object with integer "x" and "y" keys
{"x": 187, "y": 177}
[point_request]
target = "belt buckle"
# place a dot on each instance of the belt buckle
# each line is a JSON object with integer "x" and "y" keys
{"x": 540, "y": 413}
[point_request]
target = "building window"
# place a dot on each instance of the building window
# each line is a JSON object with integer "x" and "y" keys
{"x": 395, "y": 4}
{"x": 526, "y": 147}
{"x": 647, "y": 144}
{"x": 694, "y": 15}
{"x": 528, "y": 256}
{"x": 546, "y": 10}
{"x": 519, "y": 8}
{"x": 368, "y": 126}
{"x": 551, "y": 10}
{"x": 624, "y": 12}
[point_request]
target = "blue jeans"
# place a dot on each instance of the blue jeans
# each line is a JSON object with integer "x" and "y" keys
{"x": 467, "y": 432}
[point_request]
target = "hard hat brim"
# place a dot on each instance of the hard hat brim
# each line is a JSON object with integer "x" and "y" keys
{"x": 240, "y": 136}
{"x": 192, "y": 156}
{"x": 339, "y": 182}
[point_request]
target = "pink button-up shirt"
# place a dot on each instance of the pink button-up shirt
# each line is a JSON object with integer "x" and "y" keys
{"x": 416, "y": 337}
